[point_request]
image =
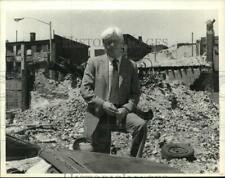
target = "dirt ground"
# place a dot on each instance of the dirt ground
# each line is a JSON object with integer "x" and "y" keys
{"x": 180, "y": 116}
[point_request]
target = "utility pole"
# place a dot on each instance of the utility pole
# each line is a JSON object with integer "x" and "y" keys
{"x": 17, "y": 19}
{"x": 155, "y": 52}
{"x": 50, "y": 49}
{"x": 16, "y": 35}
{"x": 192, "y": 45}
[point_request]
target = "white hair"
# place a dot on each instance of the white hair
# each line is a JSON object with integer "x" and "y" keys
{"x": 111, "y": 32}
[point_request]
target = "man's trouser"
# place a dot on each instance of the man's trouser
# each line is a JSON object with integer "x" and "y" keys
{"x": 101, "y": 138}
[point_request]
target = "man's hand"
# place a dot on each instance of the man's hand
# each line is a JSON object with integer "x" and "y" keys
{"x": 120, "y": 115}
{"x": 109, "y": 108}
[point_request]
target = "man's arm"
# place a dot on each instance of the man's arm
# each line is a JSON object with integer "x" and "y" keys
{"x": 135, "y": 90}
{"x": 87, "y": 92}
{"x": 87, "y": 86}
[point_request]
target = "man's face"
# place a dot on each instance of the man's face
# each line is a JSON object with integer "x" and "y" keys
{"x": 114, "y": 47}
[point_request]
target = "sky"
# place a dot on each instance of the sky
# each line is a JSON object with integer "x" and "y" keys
{"x": 167, "y": 26}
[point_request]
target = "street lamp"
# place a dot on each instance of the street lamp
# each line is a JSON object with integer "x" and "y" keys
{"x": 17, "y": 19}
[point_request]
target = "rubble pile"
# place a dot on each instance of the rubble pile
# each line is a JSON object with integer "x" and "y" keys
{"x": 180, "y": 116}
{"x": 56, "y": 124}
{"x": 50, "y": 88}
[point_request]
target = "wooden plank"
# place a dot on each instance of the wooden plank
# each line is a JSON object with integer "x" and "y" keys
{"x": 13, "y": 99}
{"x": 13, "y": 84}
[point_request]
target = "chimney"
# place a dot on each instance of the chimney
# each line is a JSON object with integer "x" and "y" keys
{"x": 32, "y": 36}
{"x": 140, "y": 38}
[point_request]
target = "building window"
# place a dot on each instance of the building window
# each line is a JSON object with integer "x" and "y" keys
{"x": 10, "y": 48}
{"x": 45, "y": 48}
{"x": 39, "y": 48}
{"x": 18, "y": 49}
{"x": 9, "y": 67}
{"x": 28, "y": 50}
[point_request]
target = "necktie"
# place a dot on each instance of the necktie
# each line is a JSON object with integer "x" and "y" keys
{"x": 115, "y": 64}
{"x": 114, "y": 94}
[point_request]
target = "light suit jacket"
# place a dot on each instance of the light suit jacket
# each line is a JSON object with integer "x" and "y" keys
{"x": 94, "y": 88}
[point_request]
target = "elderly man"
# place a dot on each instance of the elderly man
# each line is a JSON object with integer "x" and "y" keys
{"x": 110, "y": 86}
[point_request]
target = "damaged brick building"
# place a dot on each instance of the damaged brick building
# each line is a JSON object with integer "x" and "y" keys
{"x": 24, "y": 58}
